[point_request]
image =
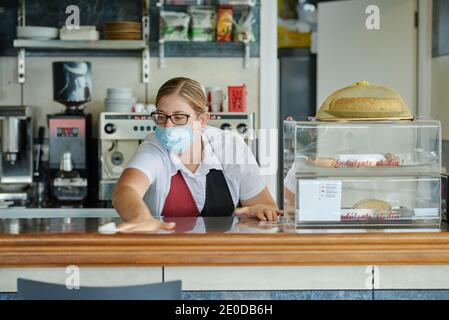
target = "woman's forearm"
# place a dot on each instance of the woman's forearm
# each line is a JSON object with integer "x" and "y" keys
{"x": 130, "y": 205}
{"x": 263, "y": 198}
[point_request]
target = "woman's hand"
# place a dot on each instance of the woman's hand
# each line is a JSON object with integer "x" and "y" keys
{"x": 251, "y": 225}
{"x": 148, "y": 225}
{"x": 261, "y": 212}
{"x": 262, "y": 207}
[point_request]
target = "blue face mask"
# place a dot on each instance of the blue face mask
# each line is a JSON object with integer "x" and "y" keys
{"x": 175, "y": 139}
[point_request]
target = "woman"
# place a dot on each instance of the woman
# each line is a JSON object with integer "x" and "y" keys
{"x": 188, "y": 169}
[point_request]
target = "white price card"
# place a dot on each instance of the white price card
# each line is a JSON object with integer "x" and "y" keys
{"x": 319, "y": 200}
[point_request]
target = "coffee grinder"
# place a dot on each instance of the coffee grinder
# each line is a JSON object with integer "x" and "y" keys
{"x": 70, "y": 135}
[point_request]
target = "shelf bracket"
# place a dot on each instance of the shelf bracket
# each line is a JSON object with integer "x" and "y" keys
{"x": 146, "y": 38}
{"x": 21, "y": 65}
{"x": 146, "y": 65}
{"x": 247, "y": 58}
{"x": 161, "y": 54}
{"x": 160, "y": 6}
{"x": 21, "y": 54}
{"x": 21, "y": 13}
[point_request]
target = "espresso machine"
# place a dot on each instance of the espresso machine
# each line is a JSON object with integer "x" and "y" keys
{"x": 70, "y": 135}
{"x": 240, "y": 123}
{"x": 120, "y": 134}
{"x": 16, "y": 161}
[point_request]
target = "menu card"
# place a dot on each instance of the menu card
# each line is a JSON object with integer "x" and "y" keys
{"x": 319, "y": 200}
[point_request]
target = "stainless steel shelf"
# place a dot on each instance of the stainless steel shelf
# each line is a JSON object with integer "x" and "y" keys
{"x": 112, "y": 45}
{"x": 233, "y": 3}
{"x": 87, "y": 45}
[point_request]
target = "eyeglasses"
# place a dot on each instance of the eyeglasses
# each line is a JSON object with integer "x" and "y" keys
{"x": 178, "y": 119}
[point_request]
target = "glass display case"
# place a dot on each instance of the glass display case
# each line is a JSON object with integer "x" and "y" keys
{"x": 360, "y": 148}
{"x": 362, "y": 172}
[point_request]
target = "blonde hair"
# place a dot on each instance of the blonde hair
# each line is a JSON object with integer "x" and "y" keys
{"x": 190, "y": 90}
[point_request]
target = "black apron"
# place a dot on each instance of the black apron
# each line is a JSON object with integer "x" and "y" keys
{"x": 218, "y": 201}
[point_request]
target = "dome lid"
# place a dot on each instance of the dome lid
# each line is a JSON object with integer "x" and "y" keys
{"x": 364, "y": 101}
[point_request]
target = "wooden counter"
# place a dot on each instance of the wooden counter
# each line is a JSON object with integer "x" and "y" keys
{"x": 53, "y": 243}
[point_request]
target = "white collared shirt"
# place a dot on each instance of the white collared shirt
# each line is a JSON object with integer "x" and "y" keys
{"x": 223, "y": 150}
{"x": 290, "y": 179}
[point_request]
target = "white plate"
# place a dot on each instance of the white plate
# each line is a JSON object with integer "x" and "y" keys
{"x": 120, "y": 100}
{"x": 118, "y": 108}
{"x": 30, "y": 32}
{"x": 79, "y": 36}
{"x": 118, "y": 105}
{"x": 121, "y": 90}
{"x": 80, "y": 29}
{"x": 121, "y": 93}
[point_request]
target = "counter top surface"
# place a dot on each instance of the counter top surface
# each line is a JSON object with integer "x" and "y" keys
{"x": 87, "y": 224}
{"x": 31, "y": 242}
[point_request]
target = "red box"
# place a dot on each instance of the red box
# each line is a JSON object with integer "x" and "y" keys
{"x": 237, "y": 98}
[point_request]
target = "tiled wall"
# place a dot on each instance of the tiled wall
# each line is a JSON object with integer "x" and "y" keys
{"x": 111, "y": 72}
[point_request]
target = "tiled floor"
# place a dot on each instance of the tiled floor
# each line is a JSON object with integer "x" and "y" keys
{"x": 305, "y": 295}
{"x": 277, "y": 295}
{"x": 411, "y": 295}
{"x": 8, "y": 296}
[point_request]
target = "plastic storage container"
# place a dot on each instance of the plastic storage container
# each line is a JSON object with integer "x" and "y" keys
{"x": 363, "y": 161}
{"x": 368, "y": 148}
{"x": 369, "y": 201}
{"x": 375, "y": 173}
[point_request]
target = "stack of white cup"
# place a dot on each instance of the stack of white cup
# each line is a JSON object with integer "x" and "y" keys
{"x": 142, "y": 108}
{"x": 119, "y": 100}
{"x": 217, "y": 99}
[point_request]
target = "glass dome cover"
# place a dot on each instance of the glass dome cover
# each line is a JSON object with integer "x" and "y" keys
{"x": 364, "y": 101}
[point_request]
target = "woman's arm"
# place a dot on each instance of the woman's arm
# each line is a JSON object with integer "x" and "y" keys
{"x": 262, "y": 206}
{"x": 289, "y": 203}
{"x": 127, "y": 199}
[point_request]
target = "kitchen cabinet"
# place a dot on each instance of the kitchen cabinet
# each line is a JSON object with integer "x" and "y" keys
{"x": 89, "y": 276}
{"x": 224, "y": 254}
